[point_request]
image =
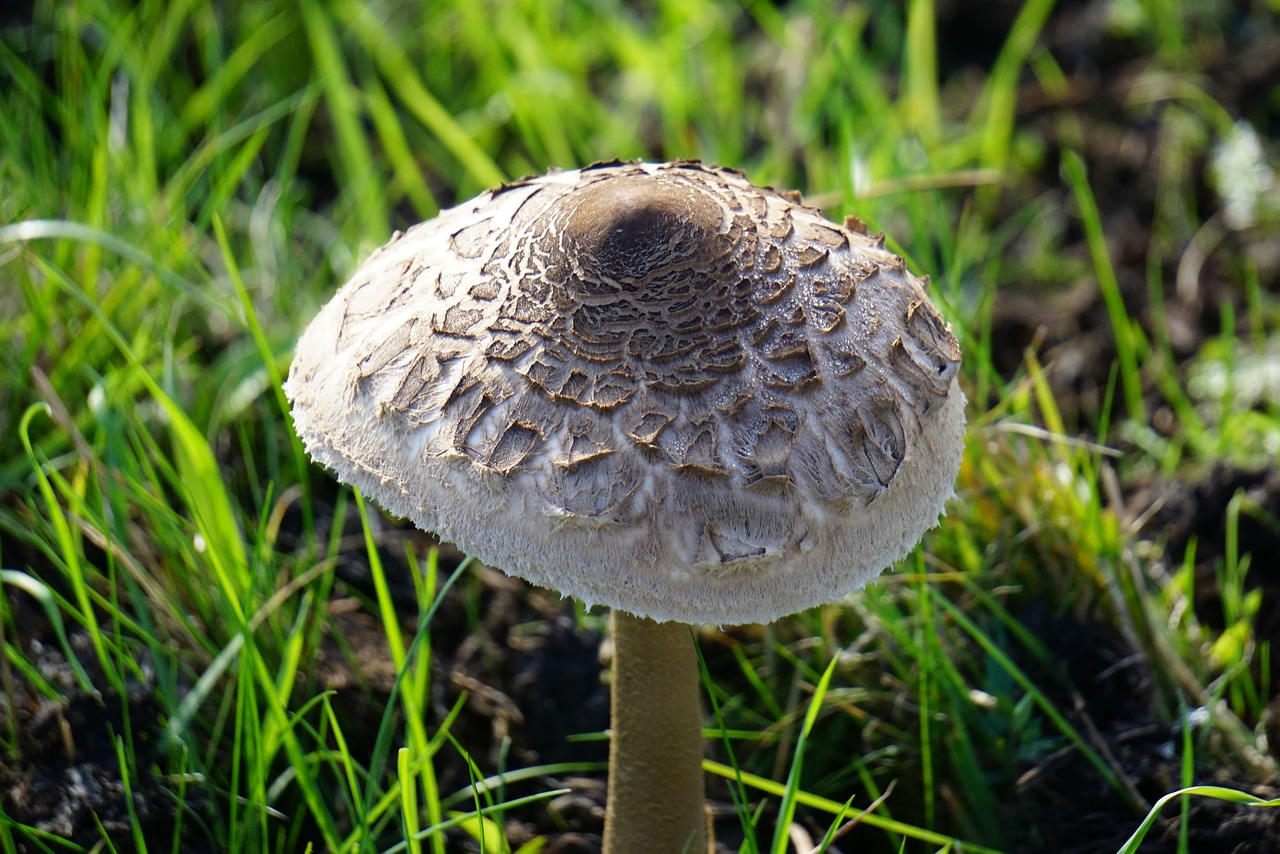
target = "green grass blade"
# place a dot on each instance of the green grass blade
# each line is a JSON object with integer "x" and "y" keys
{"x": 1216, "y": 792}
{"x": 787, "y": 809}
{"x": 362, "y": 180}
{"x": 835, "y": 808}
{"x": 1130, "y": 345}
{"x": 406, "y": 83}
{"x": 1042, "y": 702}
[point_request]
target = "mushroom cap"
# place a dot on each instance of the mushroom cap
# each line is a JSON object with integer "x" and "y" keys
{"x": 657, "y": 387}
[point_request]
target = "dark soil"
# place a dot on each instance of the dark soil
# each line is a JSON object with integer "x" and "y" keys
{"x": 66, "y": 778}
{"x": 1109, "y": 689}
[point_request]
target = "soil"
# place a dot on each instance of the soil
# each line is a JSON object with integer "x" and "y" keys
{"x": 66, "y": 778}
{"x": 531, "y": 678}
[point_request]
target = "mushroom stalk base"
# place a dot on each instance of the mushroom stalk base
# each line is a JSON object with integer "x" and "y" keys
{"x": 657, "y": 800}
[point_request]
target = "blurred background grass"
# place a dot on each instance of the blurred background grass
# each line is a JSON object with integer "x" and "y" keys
{"x": 208, "y": 631}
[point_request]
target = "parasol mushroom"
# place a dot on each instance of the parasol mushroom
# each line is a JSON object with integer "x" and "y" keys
{"x": 656, "y": 387}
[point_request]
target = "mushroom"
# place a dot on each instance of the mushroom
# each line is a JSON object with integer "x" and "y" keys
{"x": 656, "y": 387}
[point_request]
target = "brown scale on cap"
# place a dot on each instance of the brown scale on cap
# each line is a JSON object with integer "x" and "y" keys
{"x": 669, "y": 385}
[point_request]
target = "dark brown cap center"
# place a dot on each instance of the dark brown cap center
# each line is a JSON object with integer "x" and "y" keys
{"x": 621, "y": 233}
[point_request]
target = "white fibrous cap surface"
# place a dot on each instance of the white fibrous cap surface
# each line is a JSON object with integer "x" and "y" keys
{"x": 656, "y": 387}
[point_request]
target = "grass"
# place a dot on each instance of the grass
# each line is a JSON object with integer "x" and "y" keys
{"x": 183, "y": 184}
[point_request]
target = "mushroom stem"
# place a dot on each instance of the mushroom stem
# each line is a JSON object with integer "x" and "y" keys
{"x": 657, "y": 800}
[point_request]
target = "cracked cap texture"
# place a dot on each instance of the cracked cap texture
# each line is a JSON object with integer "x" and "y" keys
{"x": 656, "y": 387}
